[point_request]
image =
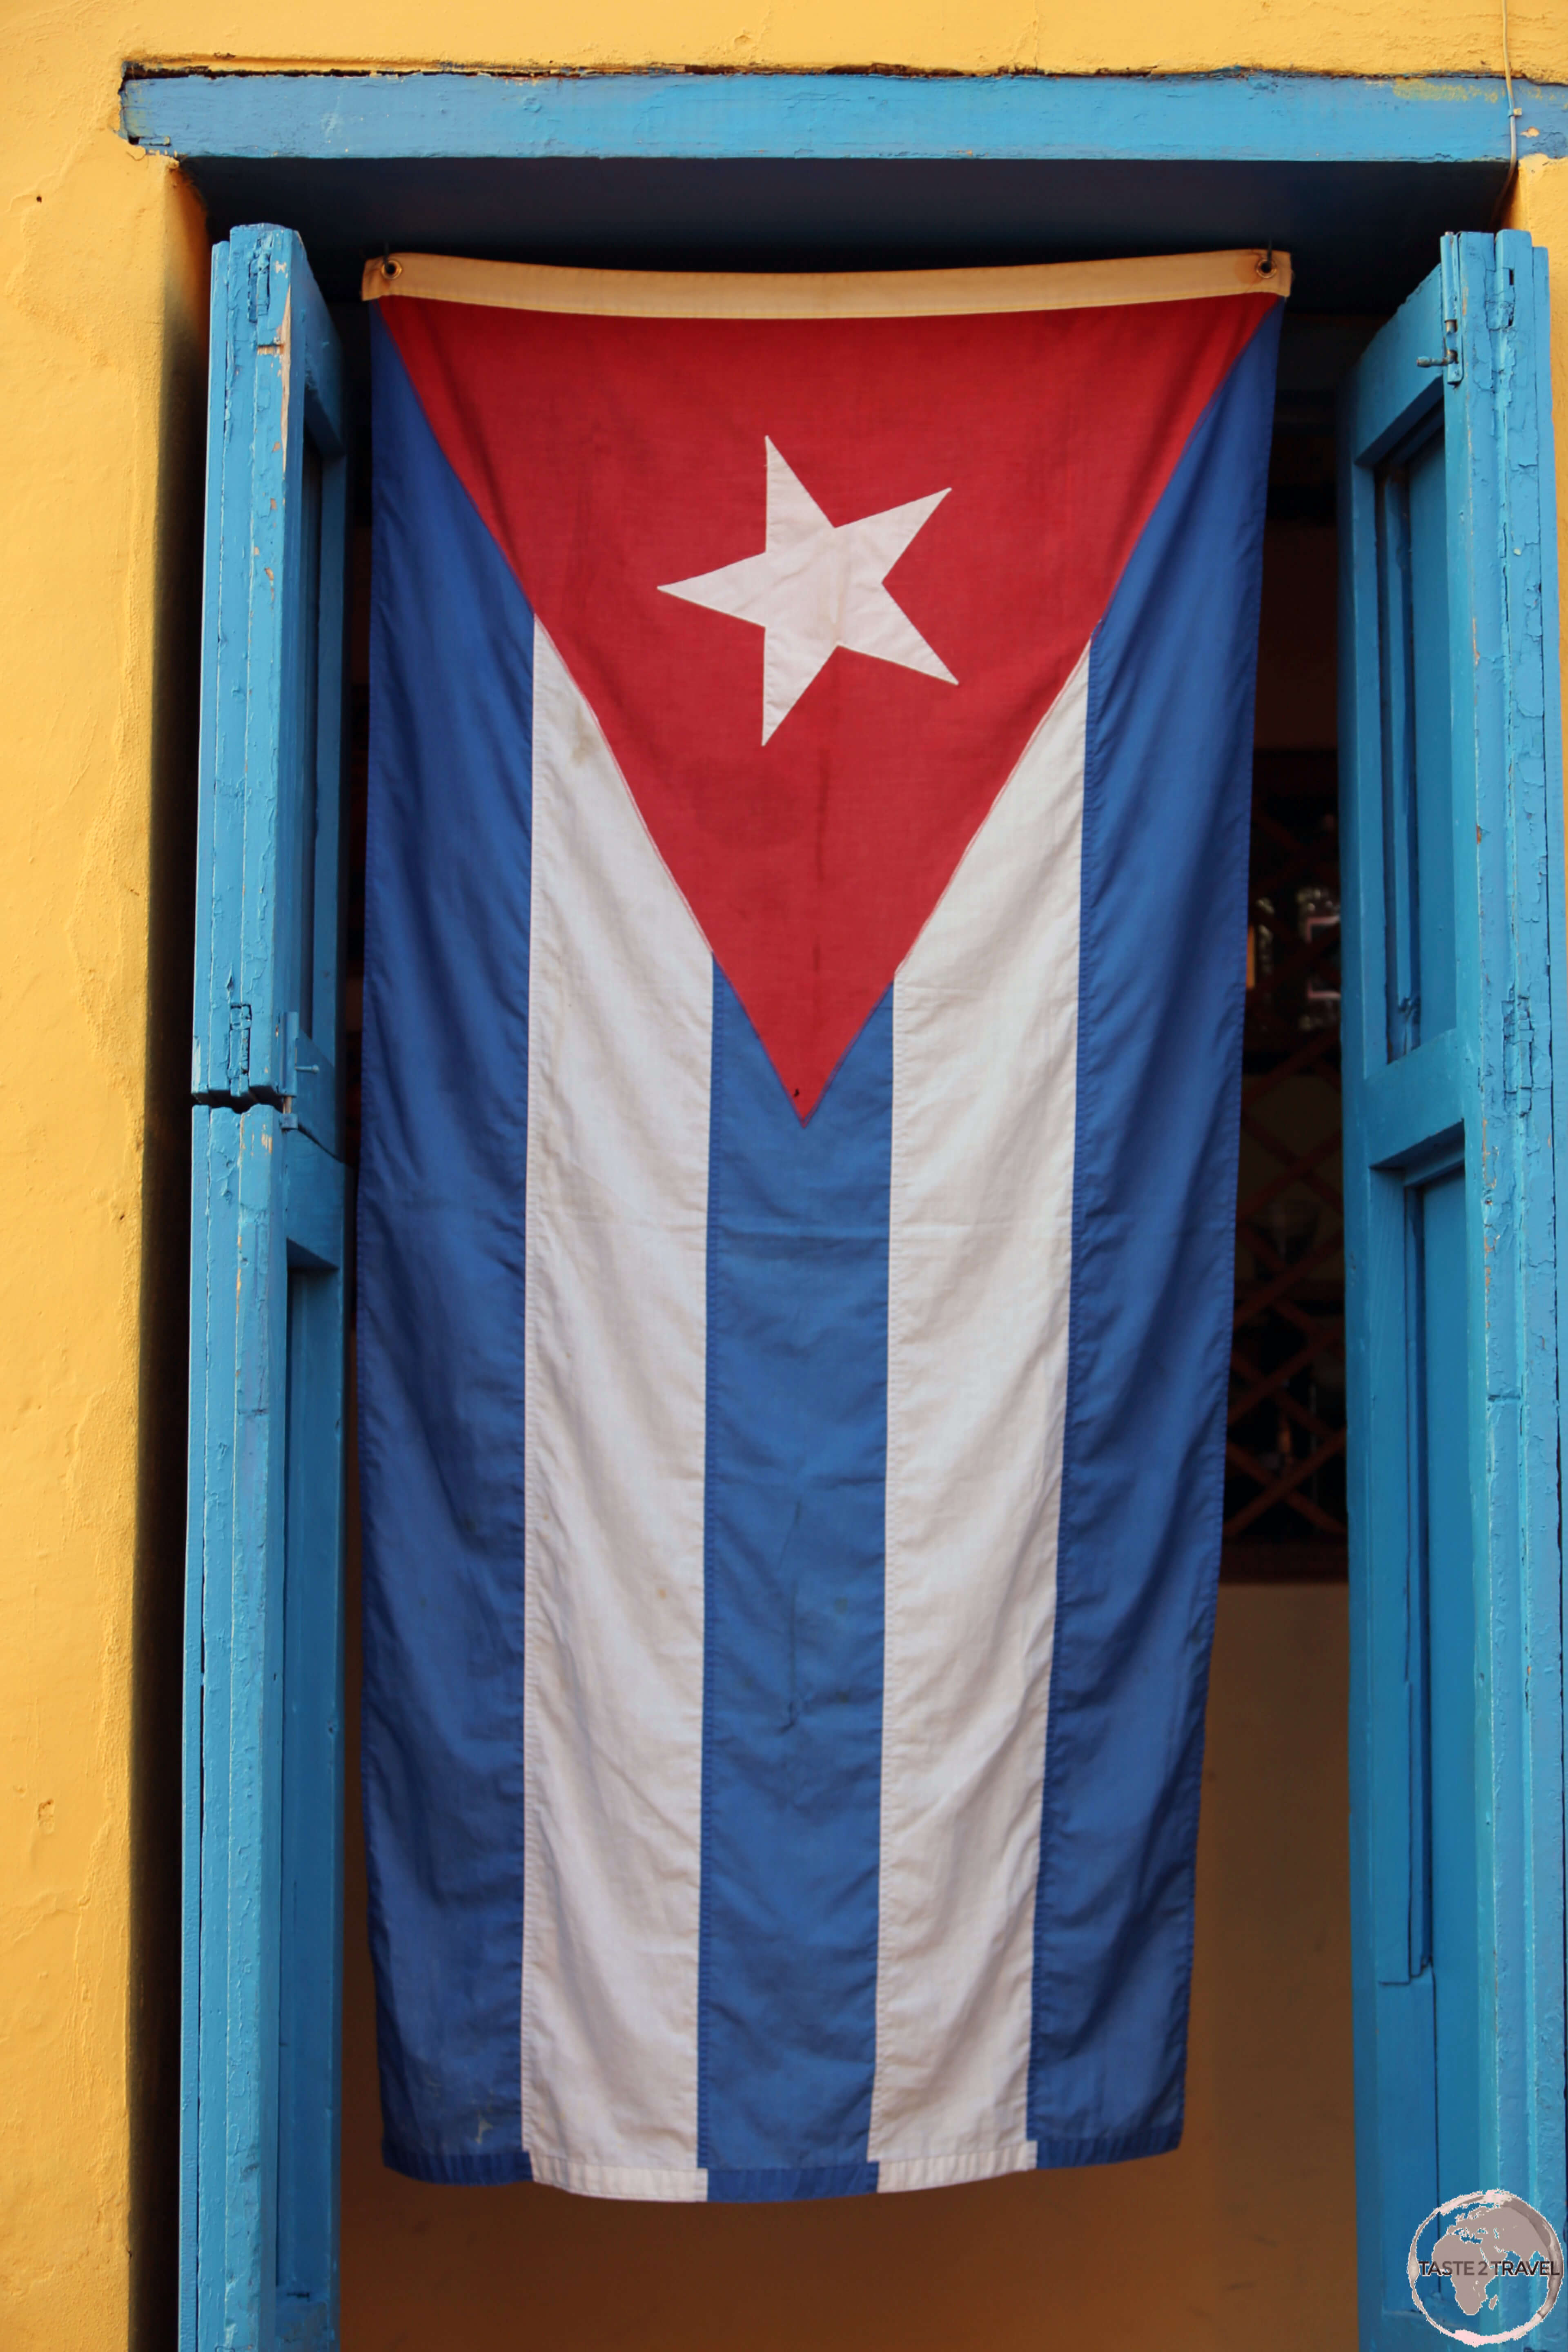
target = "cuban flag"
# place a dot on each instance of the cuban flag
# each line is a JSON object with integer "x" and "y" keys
{"x": 811, "y": 728}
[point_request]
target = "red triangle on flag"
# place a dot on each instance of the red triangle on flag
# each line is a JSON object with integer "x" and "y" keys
{"x": 633, "y": 473}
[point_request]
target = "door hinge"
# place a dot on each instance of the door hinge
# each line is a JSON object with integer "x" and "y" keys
{"x": 1450, "y": 359}
{"x": 238, "y": 1048}
{"x": 258, "y": 284}
{"x": 1453, "y": 359}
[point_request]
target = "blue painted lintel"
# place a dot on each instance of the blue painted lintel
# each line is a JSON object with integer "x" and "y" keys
{"x": 1233, "y": 117}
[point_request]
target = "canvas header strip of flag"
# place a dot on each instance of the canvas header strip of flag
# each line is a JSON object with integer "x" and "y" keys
{"x": 825, "y": 294}
{"x": 801, "y": 1090}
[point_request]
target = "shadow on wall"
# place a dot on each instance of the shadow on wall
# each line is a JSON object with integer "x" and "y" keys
{"x": 157, "y": 1625}
{"x": 1245, "y": 2236}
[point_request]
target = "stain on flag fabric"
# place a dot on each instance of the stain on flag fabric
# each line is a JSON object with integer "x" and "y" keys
{"x": 810, "y": 750}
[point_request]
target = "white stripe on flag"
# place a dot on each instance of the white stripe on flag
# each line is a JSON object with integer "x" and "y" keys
{"x": 985, "y": 1088}
{"x": 620, "y": 1027}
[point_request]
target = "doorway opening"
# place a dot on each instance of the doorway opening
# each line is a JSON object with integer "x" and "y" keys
{"x": 1285, "y": 1472}
{"x": 1220, "y": 2244}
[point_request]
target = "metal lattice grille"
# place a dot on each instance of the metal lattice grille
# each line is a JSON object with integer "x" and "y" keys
{"x": 1285, "y": 1488}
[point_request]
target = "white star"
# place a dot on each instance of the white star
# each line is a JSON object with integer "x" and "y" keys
{"x": 814, "y": 588}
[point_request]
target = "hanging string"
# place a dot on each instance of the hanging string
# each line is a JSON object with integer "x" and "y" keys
{"x": 1507, "y": 186}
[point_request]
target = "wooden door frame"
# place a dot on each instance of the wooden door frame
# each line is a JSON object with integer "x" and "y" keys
{"x": 1231, "y": 118}
{"x": 289, "y": 123}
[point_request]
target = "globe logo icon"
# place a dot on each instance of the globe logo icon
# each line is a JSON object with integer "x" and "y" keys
{"x": 1485, "y": 2268}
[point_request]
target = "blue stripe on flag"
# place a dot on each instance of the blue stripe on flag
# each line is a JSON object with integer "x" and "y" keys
{"x": 441, "y": 1325}
{"x": 1166, "y": 810}
{"x": 798, "y": 1342}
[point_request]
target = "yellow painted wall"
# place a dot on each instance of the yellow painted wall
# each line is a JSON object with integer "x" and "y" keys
{"x": 102, "y": 325}
{"x": 1361, "y": 37}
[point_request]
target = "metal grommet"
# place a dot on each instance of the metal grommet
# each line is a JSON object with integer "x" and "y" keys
{"x": 390, "y": 268}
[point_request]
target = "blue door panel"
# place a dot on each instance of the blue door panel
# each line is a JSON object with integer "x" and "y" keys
{"x": 263, "y": 1634}
{"x": 1451, "y": 845}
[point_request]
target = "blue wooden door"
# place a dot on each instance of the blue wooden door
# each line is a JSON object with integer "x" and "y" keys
{"x": 1452, "y": 852}
{"x": 263, "y": 1761}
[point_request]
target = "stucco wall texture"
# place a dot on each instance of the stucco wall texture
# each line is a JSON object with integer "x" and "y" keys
{"x": 103, "y": 260}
